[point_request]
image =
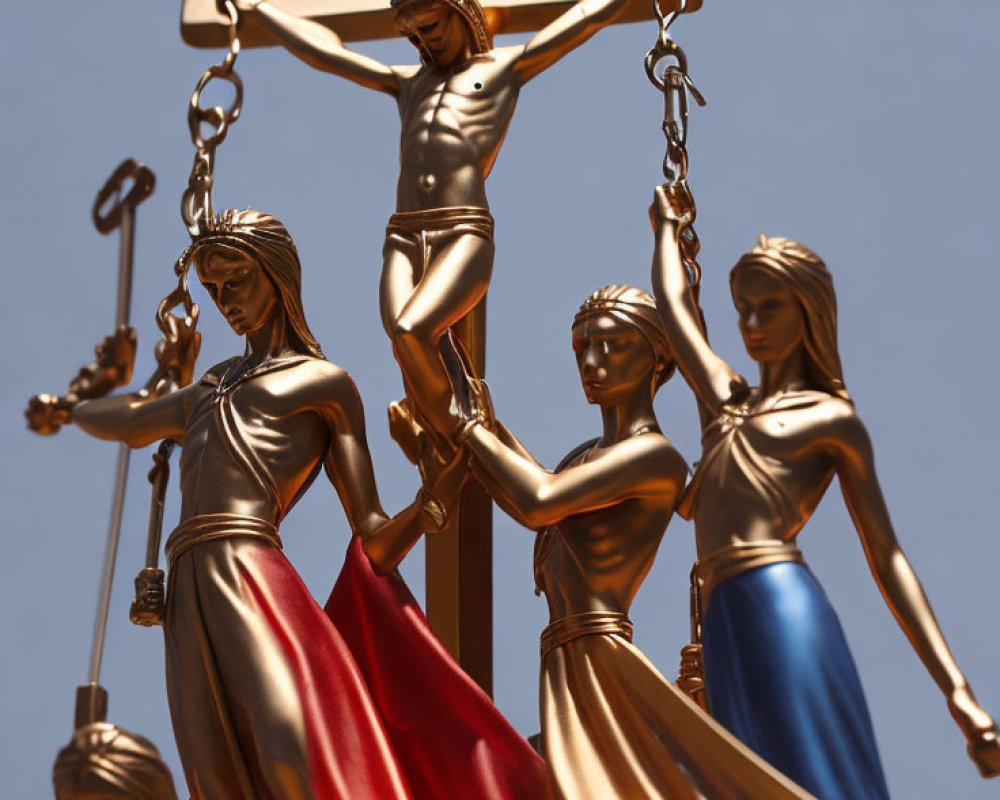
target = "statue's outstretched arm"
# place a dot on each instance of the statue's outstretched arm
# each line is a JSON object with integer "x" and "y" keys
{"x": 640, "y": 466}
{"x": 386, "y": 539}
{"x": 711, "y": 378}
{"x": 321, "y": 48}
{"x": 567, "y": 31}
{"x": 511, "y": 441}
{"x": 137, "y": 418}
{"x": 901, "y": 588}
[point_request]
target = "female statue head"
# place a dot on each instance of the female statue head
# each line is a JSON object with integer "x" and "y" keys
{"x": 240, "y": 242}
{"x": 785, "y": 297}
{"x": 624, "y": 322}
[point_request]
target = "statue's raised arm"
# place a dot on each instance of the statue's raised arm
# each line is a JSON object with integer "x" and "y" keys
{"x": 709, "y": 376}
{"x": 776, "y": 660}
{"x": 612, "y": 726}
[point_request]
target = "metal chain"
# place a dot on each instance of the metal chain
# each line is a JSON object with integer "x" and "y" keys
{"x": 667, "y": 69}
{"x": 196, "y": 208}
{"x": 196, "y": 204}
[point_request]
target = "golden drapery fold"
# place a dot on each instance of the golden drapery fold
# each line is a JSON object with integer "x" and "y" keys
{"x": 266, "y": 699}
{"x": 208, "y": 527}
{"x": 468, "y": 219}
{"x": 615, "y": 729}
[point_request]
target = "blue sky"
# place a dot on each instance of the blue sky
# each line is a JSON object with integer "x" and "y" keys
{"x": 867, "y": 131}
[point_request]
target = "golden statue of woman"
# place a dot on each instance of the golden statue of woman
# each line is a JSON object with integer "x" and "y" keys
{"x": 267, "y": 699}
{"x": 454, "y": 108}
{"x": 612, "y": 726}
{"x": 778, "y": 671}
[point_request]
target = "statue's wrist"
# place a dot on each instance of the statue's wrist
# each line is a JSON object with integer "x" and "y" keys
{"x": 466, "y": 428}
{"x": 432, "y": 511}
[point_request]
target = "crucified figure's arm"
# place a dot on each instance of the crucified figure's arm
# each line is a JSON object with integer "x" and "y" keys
{"x": 320, "y": 47}
{"x": 568, "y": 31}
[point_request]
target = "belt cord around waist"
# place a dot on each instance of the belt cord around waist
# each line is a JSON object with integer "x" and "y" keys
{"x": 706, "y": 574}
{"x": 590, "y": 623}
{"x": 478, "y": 220}
{"x": 211, "y": 527}
{"x": 735, "y": 559}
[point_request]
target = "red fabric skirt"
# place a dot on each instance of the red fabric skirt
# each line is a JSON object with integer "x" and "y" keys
{"x": 449, "y": 739}
{"x": 266, "y": 699}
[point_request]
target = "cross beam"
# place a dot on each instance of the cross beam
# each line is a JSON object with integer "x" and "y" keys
{"x": 357, "y": 20}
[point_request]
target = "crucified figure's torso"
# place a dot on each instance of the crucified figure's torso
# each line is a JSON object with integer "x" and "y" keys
{"x": 454, "y": 111}
{"x": 452, "y": 128}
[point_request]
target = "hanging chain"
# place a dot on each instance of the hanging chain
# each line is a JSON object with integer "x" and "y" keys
{"x": 667, "y": 69}
{"x": 176, "y": 350}
{"x": 196, "y": 204}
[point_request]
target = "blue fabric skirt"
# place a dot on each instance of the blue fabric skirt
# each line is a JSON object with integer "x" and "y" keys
{"x": 780, "y": 676}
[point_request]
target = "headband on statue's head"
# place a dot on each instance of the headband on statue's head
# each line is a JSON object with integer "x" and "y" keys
{"x": 638, "y": 309}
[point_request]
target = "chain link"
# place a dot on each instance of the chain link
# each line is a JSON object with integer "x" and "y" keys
{"x": 673, "y": 81}
{"x": 196, "y": 203}
{"x": 196, "y": 210}
{"x": 667, "y": 69}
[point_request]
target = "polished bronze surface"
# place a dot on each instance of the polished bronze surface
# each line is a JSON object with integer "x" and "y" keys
{"x": 691, "y": 674}
{"x": 455, "y": 107}
{"x": 149, "y": 606}
{"x": 105, "y": 762}
{"x": 612, "y": 726}
{"x": 255, "y": 430}
{"x": 203, "y": 26}
{"x": 770, "y": 453}
{"x": 102, "y": 760}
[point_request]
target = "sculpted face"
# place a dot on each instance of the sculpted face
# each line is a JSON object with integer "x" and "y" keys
{"x": 436, "y": 29}
{"x": 240, "y": 288}
{"x": 771, "y": 319}
{"x": 613, "y": 357}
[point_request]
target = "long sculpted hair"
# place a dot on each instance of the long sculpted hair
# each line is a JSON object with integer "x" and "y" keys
{"x": 638, "y": 309}
{"x": 806, "y": 275}
{"x": 267, "y": 241}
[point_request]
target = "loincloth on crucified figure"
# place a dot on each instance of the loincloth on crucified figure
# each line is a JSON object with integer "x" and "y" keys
{"x": 436, "y": 268}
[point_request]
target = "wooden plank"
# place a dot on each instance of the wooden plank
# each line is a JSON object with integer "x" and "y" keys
{"x": 359, "y": 20}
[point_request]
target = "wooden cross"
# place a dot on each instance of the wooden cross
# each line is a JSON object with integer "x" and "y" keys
{"x": 358, "y": 20}
{"x": 459, "y": 565}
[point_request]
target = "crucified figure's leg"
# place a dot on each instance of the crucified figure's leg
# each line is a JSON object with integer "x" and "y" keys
{"x": 418, "y": 308}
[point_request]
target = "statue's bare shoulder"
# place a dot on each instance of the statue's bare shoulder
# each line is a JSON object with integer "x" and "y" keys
{"x": 828, "y": 424}
{"x": 318, "y": 385}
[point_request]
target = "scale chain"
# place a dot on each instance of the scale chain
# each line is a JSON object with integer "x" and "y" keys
{"x": 675, "y": 84}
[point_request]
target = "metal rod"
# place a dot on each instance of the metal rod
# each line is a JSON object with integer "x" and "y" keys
{"x": 122, "y": 309}
{"x": 110, "y": 557}
{"x": 159, "y": 476}
{"x": 126, "y": 249}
